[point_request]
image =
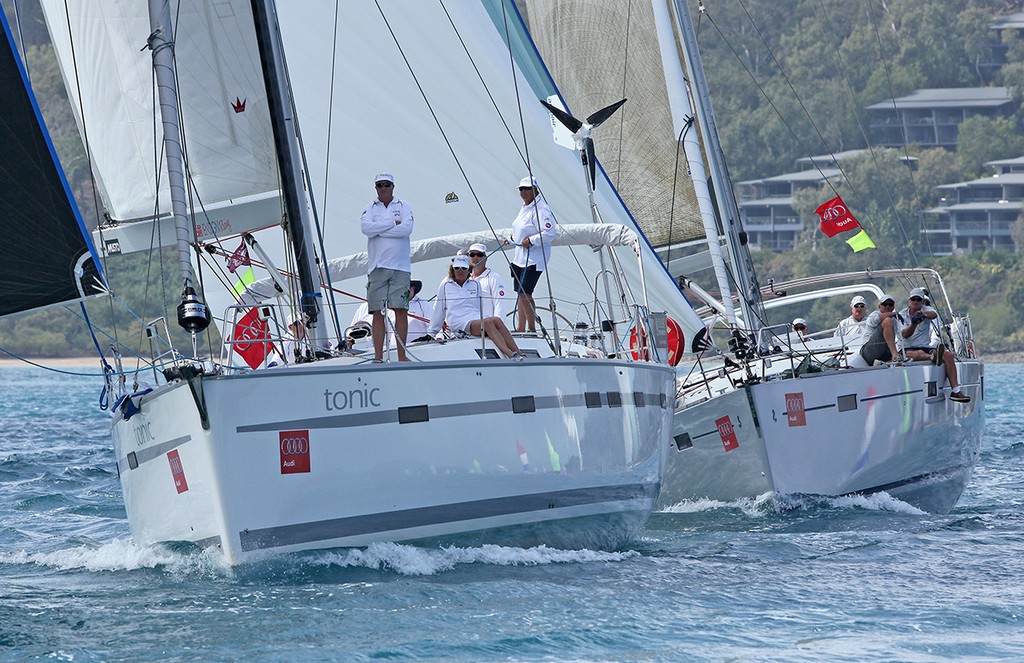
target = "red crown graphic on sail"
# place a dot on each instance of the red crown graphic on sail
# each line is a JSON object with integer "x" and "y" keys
{"x": 835, "y": 217}
{"x": 238, "y": 105}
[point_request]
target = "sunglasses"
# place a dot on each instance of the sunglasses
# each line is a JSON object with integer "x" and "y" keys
{"x": 887, "y": 304}
{"x": 461, "y": 269}
{"x": 384, "y": 185}
{"x": 476, "y": 255}
{"x": 799, "y": 327}
{"x": 859, "y": 306}
{"x": 526, "y": 188}
{"x": 916, "y": 299}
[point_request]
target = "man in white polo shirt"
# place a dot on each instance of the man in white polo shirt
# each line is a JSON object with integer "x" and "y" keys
{"x": 387, "y": 223}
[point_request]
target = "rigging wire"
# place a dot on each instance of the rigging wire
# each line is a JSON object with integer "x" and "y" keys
{"x": 884, "y": 250}
{"x": 903, "y": 137}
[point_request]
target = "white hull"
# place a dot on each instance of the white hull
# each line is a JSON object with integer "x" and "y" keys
{"x": 514, "y": 453}
{"x": 889, "y": 429}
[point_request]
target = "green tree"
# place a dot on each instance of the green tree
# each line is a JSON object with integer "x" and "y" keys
{"x": 982, "y": 139}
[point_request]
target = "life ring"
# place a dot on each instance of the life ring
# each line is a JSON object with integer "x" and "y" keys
{"x": 639, "y": 348}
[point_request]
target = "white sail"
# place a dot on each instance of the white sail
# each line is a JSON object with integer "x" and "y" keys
{"x": 463, "y": 141}
{"x": 600, "y": 51}
{"x": 230, "y": 150}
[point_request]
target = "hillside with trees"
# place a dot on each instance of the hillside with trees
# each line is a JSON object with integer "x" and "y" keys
{"x": 788, "y": 80}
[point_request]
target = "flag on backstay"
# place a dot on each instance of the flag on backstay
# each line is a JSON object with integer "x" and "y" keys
{"x": 239, "y": 258}
{"x": 860, "y": 241}
{"x": 836, "y": 218}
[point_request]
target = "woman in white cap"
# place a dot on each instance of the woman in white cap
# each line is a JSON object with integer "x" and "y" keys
{"x": 492, "y": 284}
{"x": 532, "y": 233}
{"x": 459, "y": 305}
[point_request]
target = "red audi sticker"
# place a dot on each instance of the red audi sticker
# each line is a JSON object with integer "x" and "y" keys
{"x": 177, "y": 471}
{"x": 294, "y": 446}
{"x": 727, "y": 433}
{"x": 795, "y": 414}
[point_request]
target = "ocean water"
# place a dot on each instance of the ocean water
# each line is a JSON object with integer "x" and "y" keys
{"x": 858, "y": 579}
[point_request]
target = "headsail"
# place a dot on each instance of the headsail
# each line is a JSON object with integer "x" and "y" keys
{"x": 46, "y": 257}
{"x": 226, "y": 125}
{"x": 603, "y": 50}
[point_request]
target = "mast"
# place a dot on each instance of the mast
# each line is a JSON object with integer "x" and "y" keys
{"x": 268, "y": 37}
{"x": 748, "y": 290}
{"x": 680, "y": 106}
{"x": 192, "y": 313}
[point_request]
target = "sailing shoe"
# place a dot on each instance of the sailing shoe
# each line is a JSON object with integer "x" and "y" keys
{"x": 519, "y": 356}
{"x": 940, "y": 349}
{"x": 959, "y": 397}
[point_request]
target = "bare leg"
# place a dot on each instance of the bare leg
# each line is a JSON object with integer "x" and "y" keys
{"x": 378, "y": 334}
{"x": 498, "y": 333}
{"x": 401, "y": 331}
{"x": 526, "y": 314}
{"x": 889, "y": 333}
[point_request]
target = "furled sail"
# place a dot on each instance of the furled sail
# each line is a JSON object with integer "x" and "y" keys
{"x": 230, "y": 149}
{"x": 600, "y": 51}
{"x": 46, "y": 257}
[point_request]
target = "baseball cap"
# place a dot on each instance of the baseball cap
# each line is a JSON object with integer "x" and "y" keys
{"x": 858, "y": 300}
{"x": 799, "y": 321}
{"x": 528, "y": 181}
{"x": 384, "y": 177}
{"x": 917, "y": 292}
{"x": 416, "y": 285}
{"x": 460, "y": 261}
{"x": 478, "y": 247}
{"x": 886, "y": 298}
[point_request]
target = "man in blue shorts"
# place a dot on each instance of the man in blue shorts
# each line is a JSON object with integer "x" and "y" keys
{"x": 532, "y": 233}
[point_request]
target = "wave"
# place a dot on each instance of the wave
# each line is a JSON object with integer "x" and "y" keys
{"x": 412, "y": 561}
{"x": 121, "y": 555}
{"x": 754, "y": 507}
{"x": 874, "y": 502}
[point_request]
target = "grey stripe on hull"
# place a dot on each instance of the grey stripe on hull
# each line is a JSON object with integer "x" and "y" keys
{"x": 324, "y": 530}
{"x": 503, "y": 405}
{"x": 150, "y": 453}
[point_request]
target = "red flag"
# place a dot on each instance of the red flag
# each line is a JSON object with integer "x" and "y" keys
{"x": 252, "y": 338}
{"x": 239, "y": 258}
{"x": 835, "y": 217}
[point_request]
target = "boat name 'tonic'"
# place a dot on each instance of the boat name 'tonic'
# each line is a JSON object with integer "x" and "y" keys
{"x": 351, "y": 399}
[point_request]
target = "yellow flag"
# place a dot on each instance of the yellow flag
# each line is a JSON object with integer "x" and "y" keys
{"x": 244, "y": 280}
{"x": 860, "y": 241}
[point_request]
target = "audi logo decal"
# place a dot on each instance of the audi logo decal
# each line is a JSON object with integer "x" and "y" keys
{"x": 294, "y": 446}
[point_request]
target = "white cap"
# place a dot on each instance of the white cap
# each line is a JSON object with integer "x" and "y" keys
{"x": 799, "y": 321}
{"x": 884, "y": 298}
{"x": 460, "y": 261}
{"x": 384, "y": 177}
{"x": 478, "y": 247}
{"x": 917, "y": 292}
{"x": 858, "y": 300}
{"x": 528, "y": 181}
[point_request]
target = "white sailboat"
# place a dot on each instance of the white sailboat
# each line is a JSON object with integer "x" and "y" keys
{"x": 770, "y": 414}
{"x": 566, "y": 448}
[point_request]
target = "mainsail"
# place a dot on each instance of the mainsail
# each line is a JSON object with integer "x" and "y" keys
{"x": 46, "y": 257}
{"x": 600, "y": 51}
